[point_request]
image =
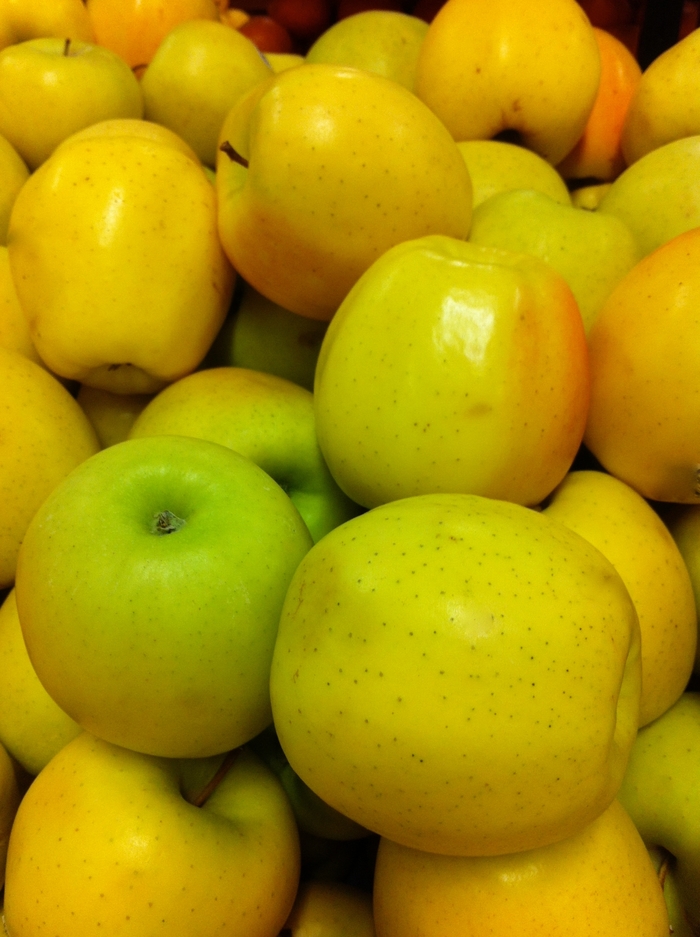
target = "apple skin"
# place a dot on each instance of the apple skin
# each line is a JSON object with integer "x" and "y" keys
{"x": 67, "y": 86}
{"x": 592, "y": 251}
{"x": 659, "y": 791}
{"x": 107, "y": 839}
{"x": 13, "y": 174}
{"x": 597, "y": 882}
{"x": 14, "y": 328}
{"x": 131, "y": 127}
{"x": 342, "y": 164}
{"x": 330, "y": 909}
{"x": 166, "y": 560}
{"x": 487, "y": 66}
{"x": 141, "y": 235}
{"x": 199, "y": 71}
{"x": 414, "y": 636}
{"x": 452, "y": 367}
{"x": 112, "y": 415}
{"x": 684, "y": 525}
{"x": 20, "y": 21}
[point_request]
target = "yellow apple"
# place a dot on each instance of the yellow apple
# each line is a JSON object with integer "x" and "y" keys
{"x": 684, "y": 525}
{"x": 14, "y": 328}
{"x": 452, "y": 367}
{"x": 20, "y": 21}
{"x": 112, "y": 415}
{"x": 600, "y": 881}
{"x": 117, "y": 263}
{"x": 10, "y": 796}
{"x": 323, "y": 168}
{"x": 133, "y": 127}
{"x": 281, "y": 61}
{"x": 623, "y": 526}
{"x": 51, "y": 87}
{"x": 13, "y": 174}
{"x": 458, "y": 674}
{"x": 488, "y": 66}
{"x": 330, "y": 909}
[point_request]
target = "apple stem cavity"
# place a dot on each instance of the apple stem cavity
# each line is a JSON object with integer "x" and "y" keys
{"x": 233, "y": 155}
{"x": 165, "y": 522}
{"x": 203, "y": 796}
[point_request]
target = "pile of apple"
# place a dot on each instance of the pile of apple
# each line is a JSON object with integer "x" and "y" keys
{"x": 349, "y": 475}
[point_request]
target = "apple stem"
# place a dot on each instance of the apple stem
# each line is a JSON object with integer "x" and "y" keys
{"x": 66, "y": 46}
{"x": 165, "y": 522}
{"x": 233, "y": 155}
{"x": 229, "y": 761}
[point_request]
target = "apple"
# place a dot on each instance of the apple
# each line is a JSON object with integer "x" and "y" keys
{"x": 452, "y": 367}
{"x": 115, "y": 841}
{"x": 600, "y": 879}
{"x": 385, "y": 42}
{"x": 267, "y": 34}
{"x": 112, "y": 415}
{"x": 132, "y": 127}
{"x": 195, "y": 77}
{"x": 14, "y": 329}
{"x": 590, "y": 196}
{"x": 489, "y": 66}
{"x": 133, "y": 222}
{"x": 13, "y": 174}
{"x": 260, "y": 335}
{"x": 664, "y": 107}
{"x": 644, "y": 407}
{"x": 591, "y": 250}
{"x": 497, "y": 166}
{"x": 330, "y": 908}
{"x": 50, "y": 88}
{"x": 660, "y": 792}
{"x": 281, "y": 61}
{"x": 658, "y": 196}
{"x": 11, "y": 792}
{"x": 304, "y": 19}
{"x": 44, "y": 436}
{"x": 321, "y": 170}
{"x": 32, "y": 727}
{"x": 458, "y": 674}
{"x": 264, "y": 417}
{"x": 627, "y": 530}
{"x": 684, "y": 526}
{"x": 666, "y": 871}
{"x": 20, "y": 21}
{"x": 165, "y": 560}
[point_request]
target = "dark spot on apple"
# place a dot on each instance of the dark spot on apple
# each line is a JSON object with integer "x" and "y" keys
{"x": 165, "y": 522}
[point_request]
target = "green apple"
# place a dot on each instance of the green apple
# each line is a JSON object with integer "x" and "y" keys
{"x": 130, "y": 220}
{"x": 665, "y": 106}
{"x": 598, "y": 881}
{"x": 658, "y": 196}
{"x": 263, "y": 336}
{"x": 113, "y": 841}
{"x": 458, "y": 674}
{"x": 497, "y": 166}
{"x": 490, "y": 66}
{"x": 452, "y": 367}
{"x": 13, "y": 174}
{"x": 660, "y": 792}
{"x": 385, "y": 42}
{"x": 33, "y": 728}
{"x": 263, "y": 417}
{"x": 591, "y": 250}
{"x": 330, "y": 909}
{"x": 51, "y": 87}
{"x": 322, "y": 169}
{"x": 150, "y": 582}
{"x": 198, "y": 73}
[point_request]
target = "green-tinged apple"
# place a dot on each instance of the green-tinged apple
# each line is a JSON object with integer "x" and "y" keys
{"x": 51, "y": 87}
{"x": 453, "y": 367}
{"x": 130, "y": 221}
{"x": 497, "y": 166}
{"x": 684, "y": 525}
{"x": 13, "y": 174}
{"x": 198, "y": 72}
{"x": 591, "y": 250}
{"x": 150, "y": 582}
{"x": 644, "y": 363}
{"x": 112, "y": 415}
{"x": 599, "y": 881}
{"x": 115, "y": 842}
{"x": 263, "y": 336}
{"x": 382, "y": 41}
{"x": 665, "y": 106}
{"x": 314, "y": 816}
{"x": 322, "y": 169}
{"x": 330, "y": 909}
{"x": 489, "y": 66}
{"x": 664, "y": 864}
{"x": 44, "y": 436}
{"x": 660, "y": 792}
{"x": 458, "y": 674}
{"x": 20, "y": 21}
{"x": 264, "y": 417}
{"x": 33, "y": 728}
{"x": 658, "y": 196}
{"x": 625, "y": 528}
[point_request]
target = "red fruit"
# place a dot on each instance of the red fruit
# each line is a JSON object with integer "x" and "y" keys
{"x": 426, "y": 9}
{"x": 267, "y": 34}
{"x": 304, "y": 19}
{"x": 608, "y": 14}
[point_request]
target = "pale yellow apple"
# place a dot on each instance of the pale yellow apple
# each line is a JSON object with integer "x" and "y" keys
{"x": 488, "y": 66}
{"x": 496, "y": 166}
{"x": 117, "y": 263}
{"x": 589, "y": 197}
{"x": 133, "y": 127}
{"x": 13, "y": 174}
{"x": 597, "y": 883}
{"x": 14, "y": 328}
{"x": 281, "y": 61}
{"x": 112, "y": 415}
{"x": 623, "y": 526}
{"x": 20, "y": 20}
{"x": 330, "y": 909}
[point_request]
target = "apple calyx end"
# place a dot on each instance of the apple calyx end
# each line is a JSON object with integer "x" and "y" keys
{"x": 233, "y": 155}
{"x": 165, "y": 522}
